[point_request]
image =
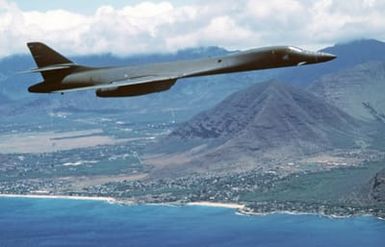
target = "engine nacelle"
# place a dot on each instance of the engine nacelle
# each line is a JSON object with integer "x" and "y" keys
{"x": 136, "y": 90}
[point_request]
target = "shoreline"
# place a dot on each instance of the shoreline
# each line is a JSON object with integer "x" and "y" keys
{"x": 216, "y": 204}
{"x": 113, "y": 200}
{"x": 240, "y": 209}
{"x": 285, "y": 212}
{"x": 332, "y": 216}
{"x": 82, "y": 198}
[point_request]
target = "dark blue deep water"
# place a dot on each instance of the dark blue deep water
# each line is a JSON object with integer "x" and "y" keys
{"x": 54, "y": 222}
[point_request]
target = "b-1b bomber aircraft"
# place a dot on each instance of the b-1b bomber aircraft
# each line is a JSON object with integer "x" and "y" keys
{"x": 62, "y": 75}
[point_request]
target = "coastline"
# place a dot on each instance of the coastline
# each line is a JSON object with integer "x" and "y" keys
{"x": 216, "y": 204}
{"x": 330, "y": 216}
{"x": 83, "y": 198}
{"x": 240, "y": 209}
{"x": 113, "y": 200}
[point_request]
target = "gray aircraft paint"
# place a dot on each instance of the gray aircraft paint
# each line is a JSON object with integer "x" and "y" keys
{"x": 62, "y": 75}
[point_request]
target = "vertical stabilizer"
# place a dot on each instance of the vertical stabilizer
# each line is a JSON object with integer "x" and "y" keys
{"x": 45, "y": 56}
{"x": 46, "y": 59}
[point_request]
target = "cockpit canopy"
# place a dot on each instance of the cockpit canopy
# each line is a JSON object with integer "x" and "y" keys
{"x": 296, "y": 49}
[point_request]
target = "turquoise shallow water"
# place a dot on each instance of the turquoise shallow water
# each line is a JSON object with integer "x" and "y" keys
{"x": 57, "y": 222}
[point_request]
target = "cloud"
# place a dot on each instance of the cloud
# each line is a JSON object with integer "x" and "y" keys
{"x": 149, "y": 27}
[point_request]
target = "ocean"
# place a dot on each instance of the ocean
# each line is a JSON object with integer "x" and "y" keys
{"x": 61, "y": 222}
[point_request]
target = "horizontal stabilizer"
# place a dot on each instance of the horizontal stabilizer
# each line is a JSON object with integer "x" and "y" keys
{"x": 51, "y": 68}
{"x": 51, "y": 64}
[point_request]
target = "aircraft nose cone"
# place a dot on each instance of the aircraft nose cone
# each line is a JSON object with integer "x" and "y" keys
{"x": 324, "y": 57}
{"x": 32, "y": 89}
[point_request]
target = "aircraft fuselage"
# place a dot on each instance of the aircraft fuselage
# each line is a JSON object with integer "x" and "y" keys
{"x": 113, "y": 79}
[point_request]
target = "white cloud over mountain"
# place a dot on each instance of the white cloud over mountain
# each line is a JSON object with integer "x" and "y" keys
{"x": 149, "y": 27}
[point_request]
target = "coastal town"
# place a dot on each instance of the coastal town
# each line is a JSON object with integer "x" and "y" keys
{"x": 255, "y": 192}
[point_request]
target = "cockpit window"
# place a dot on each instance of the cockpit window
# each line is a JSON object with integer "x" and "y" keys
{"x": 295, "y": 49}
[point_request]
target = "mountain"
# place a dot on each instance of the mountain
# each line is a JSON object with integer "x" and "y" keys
{"x": 358, "y": 90}
{"x": 348, "y": 55}
{"x": 264, "y": 124}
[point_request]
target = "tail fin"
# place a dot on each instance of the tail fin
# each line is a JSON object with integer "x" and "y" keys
{"x": 45, "y": 56}
{"x": 52, "y": 65}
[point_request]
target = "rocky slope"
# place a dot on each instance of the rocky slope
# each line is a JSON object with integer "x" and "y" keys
{"x": 358, "y": 91}
{"x": 265, "y": 124}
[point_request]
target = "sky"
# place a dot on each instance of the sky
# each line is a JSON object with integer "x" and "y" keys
{"x": 160, "y": 26}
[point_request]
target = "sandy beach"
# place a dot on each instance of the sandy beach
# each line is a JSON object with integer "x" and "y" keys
{"x": 216, "y": 204}
{"x": 113, "y": 200}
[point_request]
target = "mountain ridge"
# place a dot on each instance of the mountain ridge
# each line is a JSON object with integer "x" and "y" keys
{"x": 266, "y": 123}
{"x": 356, "y": 90}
